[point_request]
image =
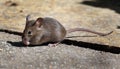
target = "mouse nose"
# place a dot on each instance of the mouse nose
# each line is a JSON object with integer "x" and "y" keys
{"x": 25, "y": 41}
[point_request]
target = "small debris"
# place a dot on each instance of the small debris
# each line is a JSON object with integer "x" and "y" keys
{"x": 21, "y": 11}
{"x": 1, "y": 50}
{"x": 118, "y": 27}
{"x": 10, "y": 3}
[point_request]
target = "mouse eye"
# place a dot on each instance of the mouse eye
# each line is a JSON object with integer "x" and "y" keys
{"x": 29, "y": 32}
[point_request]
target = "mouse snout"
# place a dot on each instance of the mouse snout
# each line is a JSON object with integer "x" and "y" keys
{"x": 25, "y": 41}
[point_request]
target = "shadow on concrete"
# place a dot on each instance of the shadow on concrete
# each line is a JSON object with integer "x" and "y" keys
{"x": 118, "y": 27}
{"x": 20, "y": 44}
{"x": 94, "y": 46}
{"x": 11, "y": 32}
{"x": 111, "y": 4}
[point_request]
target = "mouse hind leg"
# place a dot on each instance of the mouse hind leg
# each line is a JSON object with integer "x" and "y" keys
{"x": 56, "y": 41}
{"x": 54, "y": 44}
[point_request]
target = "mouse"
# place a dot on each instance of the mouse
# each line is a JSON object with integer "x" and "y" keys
{"x": 47, "y": 29}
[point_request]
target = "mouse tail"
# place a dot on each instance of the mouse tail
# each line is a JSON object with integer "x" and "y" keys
{"x": 87, "y": 30}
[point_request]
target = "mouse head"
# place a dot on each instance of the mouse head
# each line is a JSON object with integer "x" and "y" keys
{"x": 32, "y": 28}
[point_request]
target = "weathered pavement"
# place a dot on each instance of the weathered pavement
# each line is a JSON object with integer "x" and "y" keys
{"x": 87, "y": 51}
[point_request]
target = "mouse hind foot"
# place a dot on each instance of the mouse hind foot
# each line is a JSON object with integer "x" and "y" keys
{"x": 54, "y": 44}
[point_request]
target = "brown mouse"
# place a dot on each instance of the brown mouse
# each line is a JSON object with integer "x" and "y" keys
{"x": 43, "y": 30}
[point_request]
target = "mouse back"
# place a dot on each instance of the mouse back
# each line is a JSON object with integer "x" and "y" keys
{"x": 56, "y": 30}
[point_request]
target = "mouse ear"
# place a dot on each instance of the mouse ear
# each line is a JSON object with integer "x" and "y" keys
{"x": 39, "y": 22}
{"x": 27, "y": 18}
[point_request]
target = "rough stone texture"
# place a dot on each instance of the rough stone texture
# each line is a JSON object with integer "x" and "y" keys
{"x": 87, "y": 51}
{"x": 70, "y": 13}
